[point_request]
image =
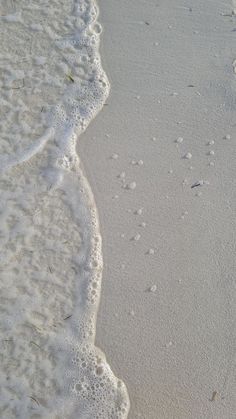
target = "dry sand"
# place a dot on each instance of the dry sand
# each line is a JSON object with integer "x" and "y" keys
{"x": 170, "y": 64}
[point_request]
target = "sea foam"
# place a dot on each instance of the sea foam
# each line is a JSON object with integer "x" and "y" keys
{"x": 52, "y": 85}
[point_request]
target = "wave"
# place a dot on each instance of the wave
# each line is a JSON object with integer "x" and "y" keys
{"x": 53, "y": 85}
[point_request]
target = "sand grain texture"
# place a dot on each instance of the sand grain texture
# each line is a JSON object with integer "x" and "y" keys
{"x": 170, "y": 67}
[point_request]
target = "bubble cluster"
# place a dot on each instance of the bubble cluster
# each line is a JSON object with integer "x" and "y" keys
{"x": 91, "y": 387}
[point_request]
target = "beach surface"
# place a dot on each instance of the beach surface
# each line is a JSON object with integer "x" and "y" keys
{"x": 161, "y": 162}
{"x": 151, "y": 244}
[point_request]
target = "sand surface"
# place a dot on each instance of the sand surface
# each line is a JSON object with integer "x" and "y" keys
{"x": 171, "y": 69}
{"x": 160, "y": 158}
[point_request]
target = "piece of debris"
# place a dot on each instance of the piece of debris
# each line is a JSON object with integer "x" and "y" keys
{"x": 35, "y": 400}
{"x": 213, "y": 396}
{"x": 68, "y": 317}
{"x": 70, "y": 78}
{"x": 199, "y": 183}
{"x": 33, "y": 343}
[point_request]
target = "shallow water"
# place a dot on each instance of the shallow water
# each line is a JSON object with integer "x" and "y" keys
{"x": 52, "y": 86}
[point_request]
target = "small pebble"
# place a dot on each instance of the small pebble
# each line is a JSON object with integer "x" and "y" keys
{"x": 188, "y": 156}
{"x": 169, "y": 344}
{"x": 227, "y": 137}
{"x": 151, "y": 251}
{"x": 212, "y": 164}
{"x": 131, "y": 313}
{"x": 153, "y": 288}
{"x": 154, "y": 139}
{"x": 137, "y": 163}
{"x": 211, "y": 153}
{"x": 121, "y": 175}
{"x": 211, "y": 142}
{"x": 184, "y": 214}
{"x": 131, "y": 186}
{"x": 179, "y": 140}
{"x": 139, "y": 211}
{"x": 114, "y": 156}
{"x": 143, "y": 224}
{"x": 137, "y": 237}
{"x": 170, "y": 171}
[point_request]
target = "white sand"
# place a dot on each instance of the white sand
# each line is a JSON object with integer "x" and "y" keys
{"x": 170, "y": 67}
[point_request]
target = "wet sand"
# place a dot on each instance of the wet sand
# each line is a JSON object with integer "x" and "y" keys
{"x": 167, "y": 315}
